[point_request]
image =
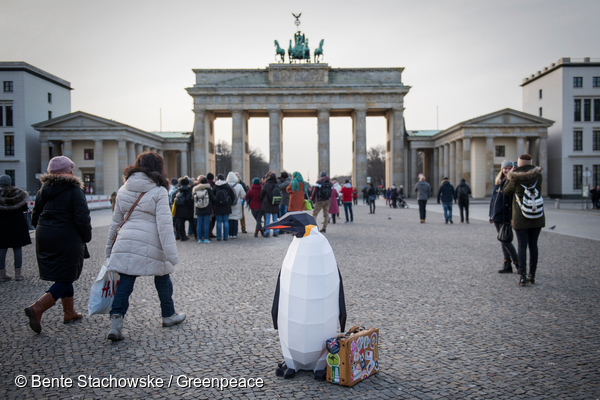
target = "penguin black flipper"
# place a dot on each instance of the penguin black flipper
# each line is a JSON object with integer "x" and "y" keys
{"x": 275, "y": 308}
{"x": 342, "y": 303}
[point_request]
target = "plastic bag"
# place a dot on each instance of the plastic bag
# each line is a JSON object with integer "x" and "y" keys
{"x": 103, "y": 290}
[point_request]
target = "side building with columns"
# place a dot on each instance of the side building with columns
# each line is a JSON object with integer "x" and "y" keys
{"x": 474, "y": 149}
{"x": 101, "y": 148}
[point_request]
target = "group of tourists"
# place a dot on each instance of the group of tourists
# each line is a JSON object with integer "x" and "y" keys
{"x": 446, "y": 195}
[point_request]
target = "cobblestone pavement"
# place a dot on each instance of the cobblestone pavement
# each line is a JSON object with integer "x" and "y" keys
{"x": 450, "y": 325}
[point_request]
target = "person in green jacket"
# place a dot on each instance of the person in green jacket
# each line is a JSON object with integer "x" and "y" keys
{"x": 528, "y": 219}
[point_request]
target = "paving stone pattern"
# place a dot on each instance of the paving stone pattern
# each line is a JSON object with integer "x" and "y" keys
{"x": 450, "y": 326}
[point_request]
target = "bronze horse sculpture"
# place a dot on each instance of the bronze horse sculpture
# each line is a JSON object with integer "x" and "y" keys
{"x": 319, "y": 51}
{"x": 279, "y": 52}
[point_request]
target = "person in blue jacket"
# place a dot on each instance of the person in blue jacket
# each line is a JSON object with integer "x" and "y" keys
{"x": 446, "y": 194}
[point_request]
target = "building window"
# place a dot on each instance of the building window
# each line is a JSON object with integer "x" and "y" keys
{"x": 577, "y": 81}
{"x": 88, "y": 154}
{"x": 50, "y": 98}
{"x": 1, "y": 115}
{"x": 596, "y": 81}
{"x": 587, "y": 110}
{"x": 89, "y": 183}
{"x": 577, "y": 176}
{"x": 500, "y": 150}
{"x": 577, "y": 106}
{"x": 596, "y": 140}
{"x": 577, "y": 140}
{"x": 8, "y": 86}
{"x": 9, "y": 145}
{"x": 540, "y": 111}
{"x": 11, "y": 173}
{"x": 540, "y": 93}
{"x": 49, "y": 114}
{"x": 596, "y": 109}
{"x": 9, "y": 116}
{"x": 596, "y": 175}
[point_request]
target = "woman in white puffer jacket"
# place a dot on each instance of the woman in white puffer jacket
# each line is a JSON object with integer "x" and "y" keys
{"x": 145, "y": 244}
{"x": 236, "y": 210}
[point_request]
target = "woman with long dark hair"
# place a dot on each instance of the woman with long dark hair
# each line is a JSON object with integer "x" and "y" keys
{"x": 145, "y": 244}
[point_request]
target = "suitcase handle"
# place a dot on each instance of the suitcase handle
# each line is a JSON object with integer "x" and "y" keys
{"x": 354, "y": 329}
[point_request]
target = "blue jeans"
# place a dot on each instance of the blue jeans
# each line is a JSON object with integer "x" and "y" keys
{"x": 282, "y": 210}
{"x": 447, "y": 211}
{"x": 268, "y": 221}
{"x": 203, "y": 226}
{"x": 164, "y": 288}
{"x": 348, "y": 206}
{"x": 61, "y": 290}
{"x": 18, "y": 252}
{"x": 222, "y": 219}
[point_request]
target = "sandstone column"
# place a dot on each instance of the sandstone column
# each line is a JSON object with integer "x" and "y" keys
{"x": 159, "y": 152}
{"x": 68, "y": 148}
{"x": 489, "y": 165}
{"x": 441, "y": 167}
{"x": 99, "y": 165}
{"x": 452, "y": 164}
{"x": 240, "y": 157}
{"x": 446, "y": 161}
{"x": 146, "y": 148}
{"x": 130, "y": 153}
{"x": 520, "y": 146}
{"x": 395, "y": 157}
{"x": 276, "y": 141}
{"x": 45, "y": 155}
{"x": 436, "y": 168}
{"x": 122, "y": 148}
{"x": 413, "y": 170}
{"x": 200, "y": 143}
{"x": 467, "y": 160}
{"x": 323, "y": 146}
{"x": 459, "y": 161}
{"x": 184, "y": 162}
{"x": 543, "y": 162}
{"x": 359, "y": 140}
{"x": 138, "y": 149}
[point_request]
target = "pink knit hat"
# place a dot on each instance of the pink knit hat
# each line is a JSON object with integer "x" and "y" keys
{"x": 61, "y": 165}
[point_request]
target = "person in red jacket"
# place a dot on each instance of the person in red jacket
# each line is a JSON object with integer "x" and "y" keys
{"x": 347, "y": 194}
{"x": 355, "y": 195}
{"x": 254, "y": 202}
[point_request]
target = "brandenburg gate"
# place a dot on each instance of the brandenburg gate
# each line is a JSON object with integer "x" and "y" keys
{"x": 299, "y": 90}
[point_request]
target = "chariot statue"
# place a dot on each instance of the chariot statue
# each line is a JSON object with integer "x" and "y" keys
{"x": 299, "y": 50}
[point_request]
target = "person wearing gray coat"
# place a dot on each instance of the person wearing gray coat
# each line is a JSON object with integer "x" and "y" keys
{"x": 423, "y": 190}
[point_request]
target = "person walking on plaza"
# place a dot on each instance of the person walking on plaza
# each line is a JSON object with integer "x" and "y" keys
{"x": 347, "y": 194}
{"x": 355, "y": 196}
{"x": 364, "y": 193}
{"x": 270, "y": 205}
{"x": 446, "y": 194}
{"x": 297, "y": 191}
{"x": 237, "y": 208}
{"x": 334, "y": 208}
{"x": 255, "y": 204}
{"x": 144, "y": 245}
{"x": 62, "y": 228}
{"x": 524, "y": 187}
{"x": 224, "y": 198}
{"x": 14, "y": 232}
{"x": 463, "y": 191}
{"x": 213, "y": 219}
{"x": 285, "y": 181}
{"x": 246, "y": 188}
{"x": 204, "y": 201}
{"x": 423, "y": 190}
{"x": 338, "y": 188}
{"x": 501, "y": 214}
{"x": 394, "y": 197}
{"x": 184, "y": 208}
{"x": 371, "y": 195}
{"x": 320, "y": 196}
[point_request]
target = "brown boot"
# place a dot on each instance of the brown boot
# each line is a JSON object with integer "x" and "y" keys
{"x": 69, "y": 313}
{"x": 3, "y": 276}
{"x": 35, "y": 311}
{"x": 256, "y": 232}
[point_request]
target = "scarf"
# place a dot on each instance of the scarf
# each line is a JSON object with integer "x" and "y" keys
{"x": 297, "y": 180}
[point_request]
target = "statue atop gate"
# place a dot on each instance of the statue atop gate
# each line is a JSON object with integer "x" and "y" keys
{"x": 299, "y": 50}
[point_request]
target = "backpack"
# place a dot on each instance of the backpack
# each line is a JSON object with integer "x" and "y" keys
{"x": 201, "y": 198}
{"x": 275, "y": 196}
{"x": 462, "y": 191}
{"x": 222, "y": 196}
{"x": 181, "y": 198}
{"x": 532, "y": 205}
{"x": 325, "y": 190}
{"x": 235, "y": 200}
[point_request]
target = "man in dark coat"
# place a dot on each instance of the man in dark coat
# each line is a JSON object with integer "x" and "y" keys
{"x": 63, "y": 227}
{"x": 463, "y": 191}
{"x": 268, "y": 209}
{"x": 184, "y": 208}
{"x": 222, "y": 207}
{"x": 321, "y": 197}
{"x": 14, "y": 233}
{"x": 446, "y": 194}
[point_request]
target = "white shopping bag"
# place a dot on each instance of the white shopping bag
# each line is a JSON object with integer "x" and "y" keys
{"x": 103, "y": 291}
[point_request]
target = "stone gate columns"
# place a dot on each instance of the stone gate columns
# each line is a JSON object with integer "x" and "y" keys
{"x": 395, "y": 158}
{"x": 99, "y": 165}
{"x": 413, "y": 171}
{"x": 520, "y": 146}
{"x": 436, "y": 168}
{"x": 45, "y": 155}
{"x": 130, "y": 153}
{"x": 466, "y": 169}
{"x": 240, "y": 157}
{"x": 543, "y": 162}
{"x": 359, "y": 148}
{"x": 184, "y": 163}
{"x": 138, "y": 149}
{"x": 122, "y": 160}
{"x": 200, "y": 143}
{"x": 276, "y": 141}
{"x": 452, "y": 163}
{"x": 459, "y": 162}
{"x": 446, "y": 161}
{"x": 323, "y": 141}
{"x": 441, "y": 167}
{"x": 68, "y": 148}
{"x": 489, "y": 165}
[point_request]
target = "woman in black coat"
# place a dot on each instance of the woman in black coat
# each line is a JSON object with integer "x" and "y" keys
{"x": 14, "y": 232}
{"x": 269, "y": 210}
{"x": 184, "y": 208}
{"x": 500, "y": 214}
{"x": 63, "y": 227}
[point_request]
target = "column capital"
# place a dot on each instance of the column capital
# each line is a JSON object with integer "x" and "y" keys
{"x": 199, "y": 109}
{"x": 361, "y": 110}
{"x": 274, "y": 110}
{"x": 323, "y": 110}
{"x": 236, "y": 111}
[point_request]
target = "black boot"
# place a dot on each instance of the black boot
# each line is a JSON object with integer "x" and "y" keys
{"x": 531, "y": 277}
{"x": 507, "y": 268}
{"x": 523, "y": 279}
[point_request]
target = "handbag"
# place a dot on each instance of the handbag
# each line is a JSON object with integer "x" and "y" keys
{"x": 103, "y": 290}
{"x": 505, "y": 234}
{"x": 308, "y": 205}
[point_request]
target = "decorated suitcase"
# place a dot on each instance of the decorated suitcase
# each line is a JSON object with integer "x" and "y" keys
{"x": 352, "y": 357}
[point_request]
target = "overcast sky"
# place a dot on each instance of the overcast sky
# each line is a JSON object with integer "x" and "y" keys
{"x": 127, "y": 60}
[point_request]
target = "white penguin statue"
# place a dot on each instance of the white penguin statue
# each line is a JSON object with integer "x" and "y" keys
{"x": 309, "y": 298}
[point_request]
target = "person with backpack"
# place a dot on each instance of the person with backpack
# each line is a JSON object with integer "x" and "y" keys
{"x": 255, "y": 204}
{"x": 285, "y": 181}
{"x": 525, "y": 187}
{"x": 224, "y": 198}
{"x": 463, "y": 191}
{"x": 446, "y": 194}
{"x": 394, "y": 197}
{"x": 321, "y": 195}
{"x": 236, "y": 205}
{"x": 184, "y": 208}
{"x": 270, "y": 196}
{"x": 203, "y": 203}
